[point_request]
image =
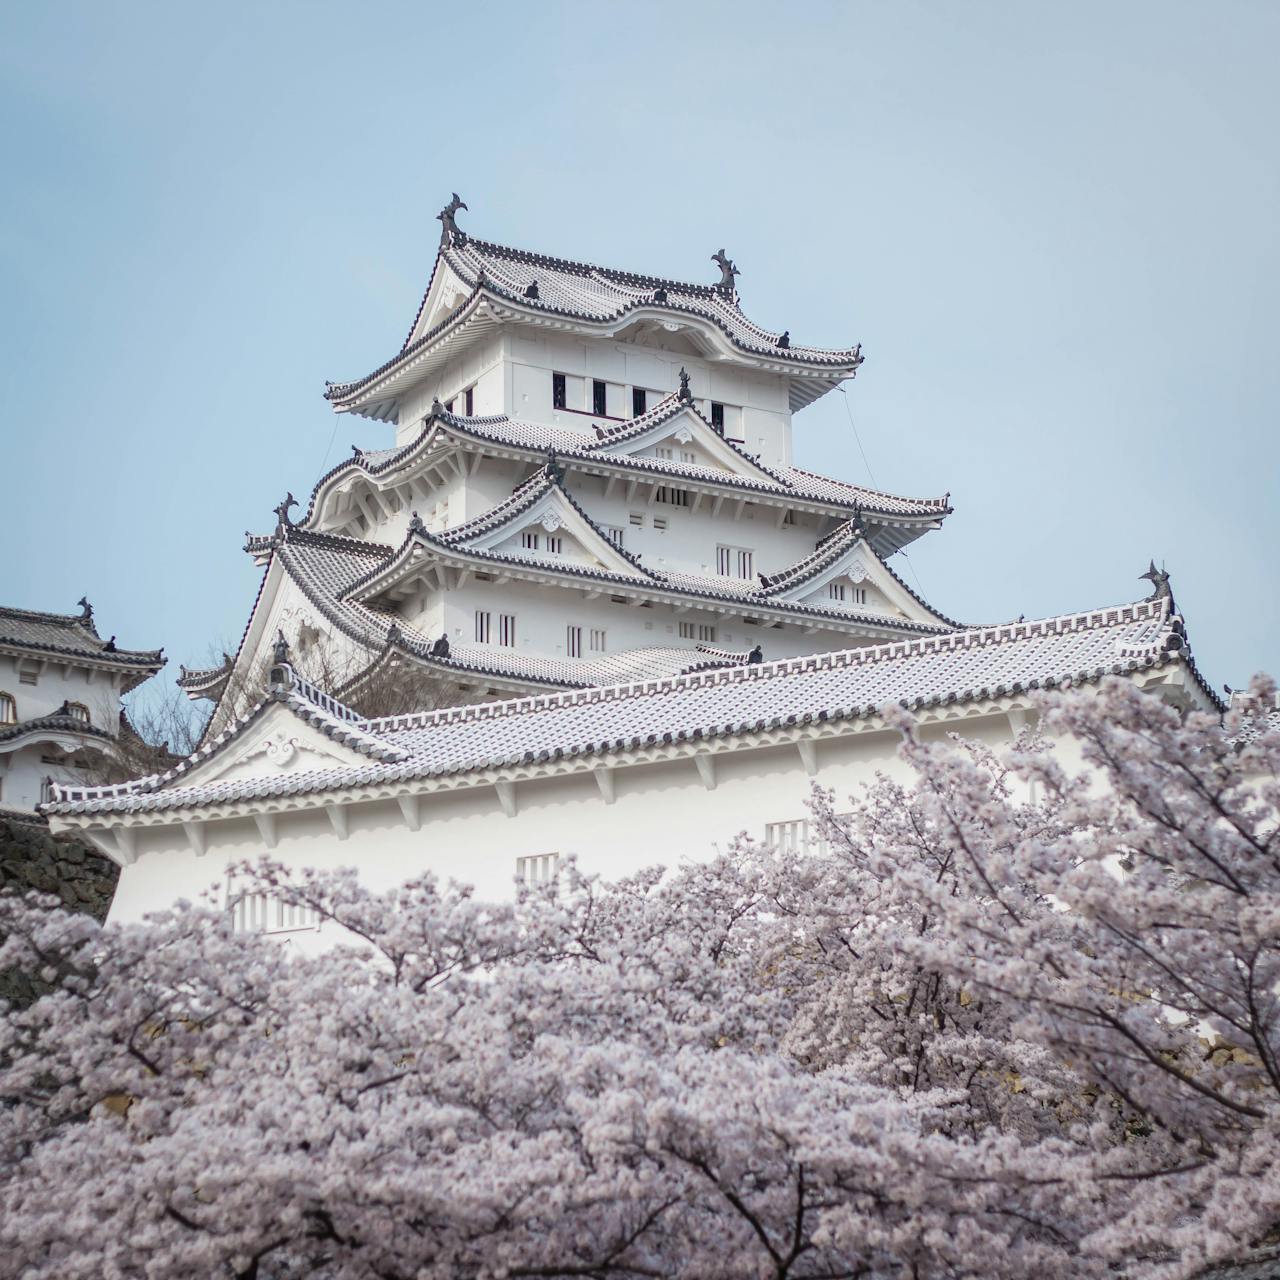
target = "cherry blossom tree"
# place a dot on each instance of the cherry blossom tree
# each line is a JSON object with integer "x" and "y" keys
{"x": 1011, "y": 1021}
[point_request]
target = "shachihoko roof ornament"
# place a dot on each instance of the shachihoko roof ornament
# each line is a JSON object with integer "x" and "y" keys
{"x": 1159, "y": 580}
{"x": 282, "y": 513}
{"x": 450, "y": 233}
{"x": 727, "y": 272}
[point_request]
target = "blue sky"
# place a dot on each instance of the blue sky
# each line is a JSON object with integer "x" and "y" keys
{"x": 1053, "y": 228}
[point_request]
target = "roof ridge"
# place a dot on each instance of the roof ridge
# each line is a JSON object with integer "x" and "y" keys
{"x": 781, "y": 666}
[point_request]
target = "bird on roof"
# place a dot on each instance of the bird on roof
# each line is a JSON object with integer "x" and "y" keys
{"x": 532, "y": 290}
{"x": 785, "y": 341}
{"x": 441, "y": 647}
{"x": 110, "y": 646}
{"x": 756, "y": 655}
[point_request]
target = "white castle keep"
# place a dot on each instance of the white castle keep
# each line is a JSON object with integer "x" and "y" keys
{"x": 634, "y": 626}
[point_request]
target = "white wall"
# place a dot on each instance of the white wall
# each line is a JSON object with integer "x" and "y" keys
{"x": 663, "y": 813}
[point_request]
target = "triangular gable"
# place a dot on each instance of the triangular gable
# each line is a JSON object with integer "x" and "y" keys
{"x": 446, "y": 292}
{"x": 553, "y": 515}
{"x": 281, "y": 737}
{"x": 869, "y": 585}
{"x": 682, "y": 429}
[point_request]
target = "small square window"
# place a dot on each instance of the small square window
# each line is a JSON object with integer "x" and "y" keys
{"x": 529, "y": 541}
{"x": 637, "y": 520}
{"x": 614, "y": 534}
{"x": 660, "y": 523}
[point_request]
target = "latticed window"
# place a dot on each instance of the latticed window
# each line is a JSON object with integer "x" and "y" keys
{"x": 734, "y": 561}
{"x": 555, "y": 544}
{"x": 835, "y": 590}
{"x": 507, "y": 629}
{"x": 8, "y": 709}
{"x": 265, "y": 913}
{"x": 542, "y": 868}
{"x": 573, "y": 641}
{"x": 78, "y": 711}
{"x": 529, "y": 541}
{"x": 597, "y": 639}
{"x": 483, "y": 619}
{"x": 614, "y": 534}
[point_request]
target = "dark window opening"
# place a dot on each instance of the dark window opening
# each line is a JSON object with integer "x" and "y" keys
{"x": 717, "y": 417}
{"x": 598, "y": 399}
{"x": 448, "y": 406}
{"x": 637, "y": 401}
{"x": 557, "y": 391}
{"x": 470, "y": 401}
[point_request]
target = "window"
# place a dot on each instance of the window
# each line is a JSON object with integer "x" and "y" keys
{"x": 638, "y": 401}
{"x": 448, "y": 406}
{"x": 46, "y": 790}
{"x": 859, "y": 595}
{"x": 660, "y": 523}
{"x": 597, "y": 639}
{"x": 789, "y": 518}
{"x": 599, "y": 398}
{"x": 542, "y": 868}
{"x": 662, "y": 452}
{"x": 507, "y": 629}
{"x": 734, "y": 562}
{"x": 614, "y": 534}
{"x": 637, "y": 520}
{"x": 799, "y": 834}
{"x": 78, "y": 711}
{"x": 787, "y": 837}
{"x": 703, "y": 632}
{"x": 557, "y": 391}
{"x": 482, "y": 626}
{"x": 573, "y": 641}
{"x": 555, "y": 544}
{"x": 687, "y": 455}
{"x": 265, "y": 913}
{"x": 836, "y": 590}
{"x": 672, "y": 497}
{"x": 529, "y": 541}
{"x": 28, "y": 677}
{"x": 717, "y": 417}
{"x": 469, "y": 399}
{"x": 8, "y": 709}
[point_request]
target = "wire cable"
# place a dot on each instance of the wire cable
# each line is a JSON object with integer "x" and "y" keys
{"x": 875, "y": 484}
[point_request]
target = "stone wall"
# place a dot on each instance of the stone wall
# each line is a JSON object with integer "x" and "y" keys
{"x": 32, "y": 858}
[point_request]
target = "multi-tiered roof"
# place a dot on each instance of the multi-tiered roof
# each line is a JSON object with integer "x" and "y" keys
{"x": 360, "y": 548}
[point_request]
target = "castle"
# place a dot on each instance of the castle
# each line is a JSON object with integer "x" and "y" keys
{"x": 631, "y": 625}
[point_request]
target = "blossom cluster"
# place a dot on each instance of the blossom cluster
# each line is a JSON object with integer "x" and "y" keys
{"x": 1012, "y": 1021}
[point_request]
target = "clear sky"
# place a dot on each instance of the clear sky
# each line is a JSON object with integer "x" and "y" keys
{"x": 1052, "y": 227}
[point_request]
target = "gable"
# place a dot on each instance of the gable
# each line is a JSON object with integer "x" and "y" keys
{"x": 274, "y": 744}
{"x": 682, "y": 434}
{"x": 553, "y": 528}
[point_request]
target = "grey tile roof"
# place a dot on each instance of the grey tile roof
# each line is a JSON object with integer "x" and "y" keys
{"x": 580, "y": 291}
{"x": 956, "y": 668}
{"x": 54, "y": 723}
{"x": 583, "y": 446}
{"x": 62, "y": 635}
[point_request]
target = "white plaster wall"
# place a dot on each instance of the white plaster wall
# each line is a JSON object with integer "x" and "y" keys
{"x": 57, "y": 683}
{"x": 543, "y": 615}
{"x": 663, "y": 813}
{"x": 756, "y": 403}
{"x": 480, "y": 366}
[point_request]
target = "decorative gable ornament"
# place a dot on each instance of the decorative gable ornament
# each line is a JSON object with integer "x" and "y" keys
{"x": 552, "y": 521}
{"x": 858, "y": 571}
{"x": 684, "y": 435}
{"x": 279, "y": 750}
